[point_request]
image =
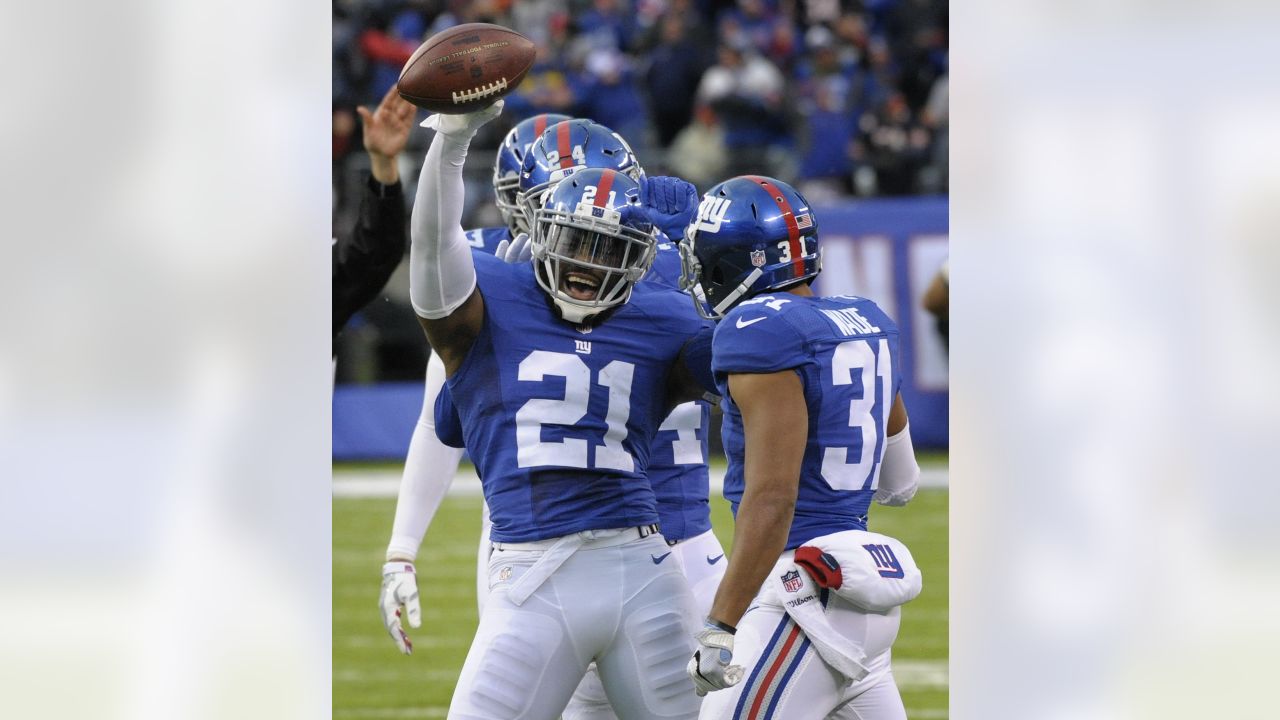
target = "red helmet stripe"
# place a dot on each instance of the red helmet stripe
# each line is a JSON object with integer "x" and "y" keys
{"x": 539, "y": 125}
{"x": 789, "y": 217}
{"x": 562, "y": 145}
{"x": 603, "y": 188}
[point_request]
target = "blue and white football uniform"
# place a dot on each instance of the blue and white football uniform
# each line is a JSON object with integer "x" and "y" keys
{"x": 568, "y": 419}
{"x": 845, "y": 350}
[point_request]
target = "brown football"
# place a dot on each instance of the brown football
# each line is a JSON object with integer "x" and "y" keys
{"x": 466, "y": 68}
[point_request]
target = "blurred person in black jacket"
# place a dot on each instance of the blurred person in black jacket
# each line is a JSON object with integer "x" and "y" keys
{"x": 364, "y": 258}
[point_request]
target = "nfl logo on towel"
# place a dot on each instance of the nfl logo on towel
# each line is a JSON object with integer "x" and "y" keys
{"x": 791, "y": 581}
{"x": 757, "y": 258}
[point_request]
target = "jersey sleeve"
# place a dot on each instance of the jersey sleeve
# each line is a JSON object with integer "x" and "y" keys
{"x": 756, "y": 339}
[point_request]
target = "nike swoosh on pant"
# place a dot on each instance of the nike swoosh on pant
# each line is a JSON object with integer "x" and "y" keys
{"x": 658, "y": 558}
{"x": 714, "y": 560}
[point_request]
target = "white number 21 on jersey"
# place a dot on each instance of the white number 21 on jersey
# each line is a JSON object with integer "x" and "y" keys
{"x": 850, "y": 357}
{"x": 533, "y": 451}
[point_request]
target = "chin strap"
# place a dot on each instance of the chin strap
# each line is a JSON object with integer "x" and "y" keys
{"x": 737, "y": 292}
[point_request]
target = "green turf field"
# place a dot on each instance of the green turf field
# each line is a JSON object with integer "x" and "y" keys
{"x": 372, "y": 680}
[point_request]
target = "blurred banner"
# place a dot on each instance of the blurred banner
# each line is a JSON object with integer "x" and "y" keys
{"x": 886, "y": 250}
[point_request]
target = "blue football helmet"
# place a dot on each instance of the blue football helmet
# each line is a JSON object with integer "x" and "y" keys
{"x": 753, "y": 234}
{"x": 566, "y": 148}
{"x": 506, "y": 167}
{"x": 592, "y": 241}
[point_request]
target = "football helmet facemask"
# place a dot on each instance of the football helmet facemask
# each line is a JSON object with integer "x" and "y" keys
{"x": 753, "y": 234}
{"x": 592, "y": 241}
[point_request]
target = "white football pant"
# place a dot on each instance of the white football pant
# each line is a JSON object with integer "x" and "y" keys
{"x": 702, "y": 561}
{"x": 787, "y": 680}
{"x": 608, "y": 601}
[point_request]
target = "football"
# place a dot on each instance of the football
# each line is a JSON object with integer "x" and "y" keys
{"x": 466, "y": 68}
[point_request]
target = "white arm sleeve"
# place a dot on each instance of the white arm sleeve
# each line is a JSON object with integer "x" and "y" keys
{"x": 899, "y": 472}
{"x": 441, "y": 274}
{"x": 428, "y": 473}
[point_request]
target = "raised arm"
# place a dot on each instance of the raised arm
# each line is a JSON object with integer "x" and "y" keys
{"x": 442, "y": 277}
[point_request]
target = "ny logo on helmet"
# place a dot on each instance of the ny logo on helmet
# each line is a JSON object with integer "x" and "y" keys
{"x": 711, "y": 213}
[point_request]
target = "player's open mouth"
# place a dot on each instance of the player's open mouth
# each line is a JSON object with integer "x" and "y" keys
{"x": 581, "y": 286}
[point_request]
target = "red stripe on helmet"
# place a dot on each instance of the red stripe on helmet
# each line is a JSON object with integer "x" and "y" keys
{"x": 539, "y": 125}
{"x": 562, "y": 145}
{"x": 789, "y": 217}
{"x": 604, "y": 186}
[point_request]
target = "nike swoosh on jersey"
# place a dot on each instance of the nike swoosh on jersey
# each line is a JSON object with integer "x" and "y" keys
{"x": 714, "y": 560}
{"x": 752, "y": 321}
{"x": 658, "y": 558}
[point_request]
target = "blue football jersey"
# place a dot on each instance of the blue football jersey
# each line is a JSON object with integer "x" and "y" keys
{"x": 846, "y": 351}
{"x": 678, "y": 454}
{"x": 486, "y": 240}
{"x": 565, "y": 414}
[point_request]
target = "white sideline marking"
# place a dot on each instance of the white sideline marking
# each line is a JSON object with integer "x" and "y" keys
{"x": 410, "y": 712}
{"x": 386, "y": 483}
{"x": 930, "y": 674}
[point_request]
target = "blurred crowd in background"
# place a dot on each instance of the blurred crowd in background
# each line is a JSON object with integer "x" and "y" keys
{"x": 839, "y": 97}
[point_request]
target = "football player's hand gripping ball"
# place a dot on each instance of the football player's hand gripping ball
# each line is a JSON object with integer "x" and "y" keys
{"x": 672, "y": 204}
{"x": 710, "y": 667}
{"x": 400, "y": 591}
{"x": 463, "y": 126}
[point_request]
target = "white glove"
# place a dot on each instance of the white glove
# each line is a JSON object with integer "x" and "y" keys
{"x": 463, "y": 127}
{"x": 709, "y": 667}
{"x": 400, "y": 588}
{"x": 515, "y": 251}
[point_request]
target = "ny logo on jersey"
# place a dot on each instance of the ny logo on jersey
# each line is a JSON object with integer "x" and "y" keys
{"x": 791, "y": 581}
{"x": 711, "y": 213}
{"x": 582, "y": 347}
{"x": 885, "y": 560}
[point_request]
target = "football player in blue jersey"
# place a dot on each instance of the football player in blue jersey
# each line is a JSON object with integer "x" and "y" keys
{"x": 562, "y": 374}
{"x": 814, "y": 430}
{"x": 677, "y": 467}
